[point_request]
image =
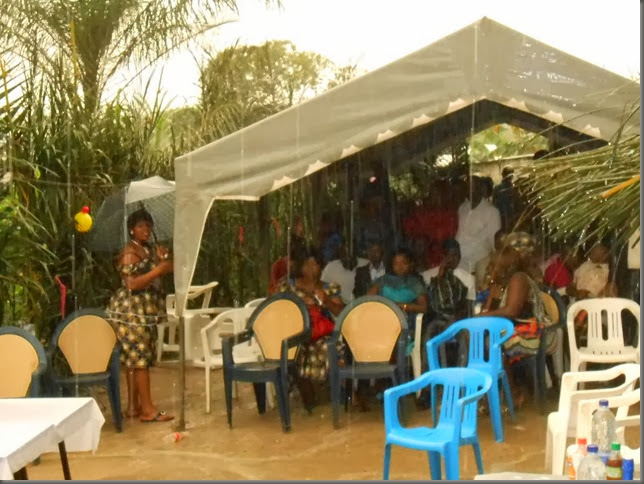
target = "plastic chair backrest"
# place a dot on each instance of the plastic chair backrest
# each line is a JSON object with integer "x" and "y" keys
{"x": 496, "y": 329}
{"x": 460, "y": 383}
{"x": 20, "y": 355}
{"x": 86, "y": 340}
{"x": 231, "y": 321}
{"x": 612, "y": 308}
{"x": 255, "y": 302}
{"x": 193, "y": 293}
{"x": 371, "y": 326}
{"x": 279, "y": 317}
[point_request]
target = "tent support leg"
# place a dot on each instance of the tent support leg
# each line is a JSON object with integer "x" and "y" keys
{"x": 182, "y": 373}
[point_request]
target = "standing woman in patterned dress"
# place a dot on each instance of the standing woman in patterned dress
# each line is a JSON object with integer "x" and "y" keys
{"x": 136, "y": 309}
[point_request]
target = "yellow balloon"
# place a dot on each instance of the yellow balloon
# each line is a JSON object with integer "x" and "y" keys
{"x": 83, "y": 221}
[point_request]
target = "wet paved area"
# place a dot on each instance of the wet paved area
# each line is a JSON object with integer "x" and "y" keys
{"x": 256, "y": 448}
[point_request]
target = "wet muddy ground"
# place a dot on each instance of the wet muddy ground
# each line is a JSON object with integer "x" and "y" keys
{"x": 256, "y": 447}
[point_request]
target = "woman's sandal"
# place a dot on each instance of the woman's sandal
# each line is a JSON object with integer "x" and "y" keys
{"x": 159, "y": 417}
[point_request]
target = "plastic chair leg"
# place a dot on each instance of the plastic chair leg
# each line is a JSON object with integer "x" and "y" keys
{"x": 508, "y": 395}
{"x": 476, "y": 447}
{"x": 435, "y": 466}
{"x": 548, "y": 451}
{"x": 282, "y": 403}
{"x": 335, "y": 390}
{"x": 387, "y": 458}
{"x": 348, "y": 393}
{"x": 494, "y": 401}
{"x": 160, "y": 332}
{"x": 114, "y": 405}
{"x": 452, "y": 465}
{"x": 260, "y": 397}
{"x": 228, "y": 390}
{"x": 558, "y": 452}
{"x": 207, "y": 389}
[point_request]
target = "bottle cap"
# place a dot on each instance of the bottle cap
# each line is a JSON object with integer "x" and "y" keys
{"x": 592, "y": 449}
{"x": 615, "y": 446}
{"x": 582, "y": 441}
{"x": 603, "y": 403}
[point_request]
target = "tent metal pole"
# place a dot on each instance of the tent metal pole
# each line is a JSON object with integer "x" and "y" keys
{"x": 182, "y": 373}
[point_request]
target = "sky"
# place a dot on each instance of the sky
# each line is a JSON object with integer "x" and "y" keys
{"x": 373, "y": 33}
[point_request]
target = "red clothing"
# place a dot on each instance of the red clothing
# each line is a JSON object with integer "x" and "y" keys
{"x": 557, "y": 275}
{"x": 432, "y": 227}
{"x": 279, "y": 269}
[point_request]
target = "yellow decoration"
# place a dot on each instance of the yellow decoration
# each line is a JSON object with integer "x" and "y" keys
{"x": 83, "y": 221}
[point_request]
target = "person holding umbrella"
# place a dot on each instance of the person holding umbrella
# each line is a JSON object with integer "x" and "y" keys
{"x": 136, "y": 309}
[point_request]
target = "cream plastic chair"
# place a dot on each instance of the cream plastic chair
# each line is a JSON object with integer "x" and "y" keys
{"x": 415, "y": 353}
{"x": 22, "y": 363}
{"x": 88, "y": 342}
{"x": 585, "y": 409}
{"x": 255, "y": 302}
{"x": 563, "y": 423}
{"x": 192, "y": 317}
{"x": 599, "y": 350}
{"x": 232, "y": 321}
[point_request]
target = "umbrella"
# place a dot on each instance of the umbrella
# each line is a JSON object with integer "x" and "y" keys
{"x": 155, "y": 194}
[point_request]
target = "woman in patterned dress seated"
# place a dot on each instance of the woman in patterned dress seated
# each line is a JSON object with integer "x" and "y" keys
{"x": 516, "y": 296}
{"x": 323, "y": 302}
{"x": 136, "y": 309}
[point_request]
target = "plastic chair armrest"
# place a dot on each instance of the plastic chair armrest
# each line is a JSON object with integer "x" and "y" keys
{"x": 434, "y": 344}
{"x": 392, "y": 395}
{"x": 290, "y": 342}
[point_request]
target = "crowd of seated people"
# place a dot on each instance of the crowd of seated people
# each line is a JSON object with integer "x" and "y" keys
{"x": 479, "y": 262}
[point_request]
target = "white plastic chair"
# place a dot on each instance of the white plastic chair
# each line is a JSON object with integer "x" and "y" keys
{"x": 585, "y": 409}
{"x": 599, "y": 350}
{"x": 191, "y": 316}
{"x": 415, "y": 353}
{"x": 562, "y": 424}
{"x": 232, "y": 321}
{"x": 255, "y": 302}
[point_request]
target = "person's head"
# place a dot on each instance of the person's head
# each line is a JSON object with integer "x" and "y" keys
{"x": 139, "y": 225}
{"x": 540, "y": 154}
{"x": 517, "y": 253}
{"x": 307, "y": 264}
{"x": 487, "y": 186}
{"x": 507, "y": 173}
{"x": 402, "y": 262}
{"x": 476, "y": 190}
{"x": 375, "y": 253}
{"x": 599, "y": 254}
{"x": 451, "y": 254}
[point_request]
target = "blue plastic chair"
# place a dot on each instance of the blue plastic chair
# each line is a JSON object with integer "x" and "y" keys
{"x": 280, "y": 325}
{"x": 496, "y": 331}
{"x": 88, "y": 342}
{"x": 22, "y": 358}
{"x": 372, "y": 327}
{"x": 462, "y": 388}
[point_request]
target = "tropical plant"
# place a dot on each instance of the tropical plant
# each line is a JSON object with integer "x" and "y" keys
{"x": 591, "y": 194}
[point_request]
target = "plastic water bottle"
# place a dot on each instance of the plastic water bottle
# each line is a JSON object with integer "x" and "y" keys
{"x": 614, "y": 465}
{"x": 574, "y": 456}
{"x": 627, "y": 469}
{"x": 603, "y": 428}
{"x": 591, "y": 467}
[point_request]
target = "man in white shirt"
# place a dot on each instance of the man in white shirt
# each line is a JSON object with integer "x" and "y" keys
{"x": 478, "y": 221}
{"x": 342, "y": 271}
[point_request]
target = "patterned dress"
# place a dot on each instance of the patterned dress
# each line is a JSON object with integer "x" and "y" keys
{"x": 135, "y": 315}
{"x": 313, "y": 358}
{"x": 528, "y": 328}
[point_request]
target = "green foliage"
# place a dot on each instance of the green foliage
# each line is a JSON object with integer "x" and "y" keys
{"x": 502, "y": 141}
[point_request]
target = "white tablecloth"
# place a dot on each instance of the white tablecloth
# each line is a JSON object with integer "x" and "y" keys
{"x": 30, "y": 427}
{"x": 519, "y": 476}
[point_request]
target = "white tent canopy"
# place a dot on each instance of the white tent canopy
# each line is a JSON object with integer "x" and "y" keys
{"x": 484, "y": 61}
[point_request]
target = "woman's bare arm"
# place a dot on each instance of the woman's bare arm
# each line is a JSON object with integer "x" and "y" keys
{"x": 517, "y": 295}
{"x": 137, "y": 283}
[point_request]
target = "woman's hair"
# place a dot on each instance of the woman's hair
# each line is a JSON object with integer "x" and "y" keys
{"x": 301, "y": 256}
{"x": 403, "y": 251}
{"x": 141, "y": 215}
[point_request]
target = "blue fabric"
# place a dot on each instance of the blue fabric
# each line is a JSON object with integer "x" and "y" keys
{"x": 401, "y": 289}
